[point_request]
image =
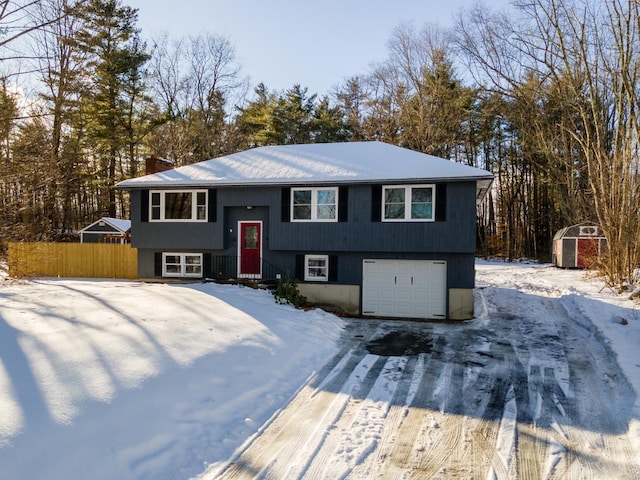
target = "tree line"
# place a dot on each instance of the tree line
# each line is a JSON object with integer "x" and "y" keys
{"x": 544, "y": 95}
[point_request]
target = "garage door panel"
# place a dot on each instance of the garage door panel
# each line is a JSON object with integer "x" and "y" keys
{"x": 422, "y": 296}
{"x": 404, "y": 293}
{"x": 404, "y": 288}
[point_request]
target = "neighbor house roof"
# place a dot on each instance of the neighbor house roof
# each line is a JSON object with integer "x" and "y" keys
{"x": 117, "y": 223}
{"x": 317, "y": 163}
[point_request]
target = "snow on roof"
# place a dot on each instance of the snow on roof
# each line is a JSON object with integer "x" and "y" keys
{"x": 117, "y": 223}
{"x": 353, "y": 162}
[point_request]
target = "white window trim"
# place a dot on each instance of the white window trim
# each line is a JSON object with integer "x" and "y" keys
{"x": 407, "y": 203}
{"x": 194, "y": 206}
{"x": 314, "y": 204}
{"x": 307, "y": 277}
{"x": 183, "y": 265}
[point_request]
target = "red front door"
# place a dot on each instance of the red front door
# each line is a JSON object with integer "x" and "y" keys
{"x": 250, "y": 249}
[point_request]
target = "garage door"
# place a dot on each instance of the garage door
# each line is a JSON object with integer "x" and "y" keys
{"x": 404, "y": 288}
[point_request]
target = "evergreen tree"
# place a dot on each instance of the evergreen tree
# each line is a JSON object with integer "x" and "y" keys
{"x": 351, "y": 102}
{"x": 116, "y": 58}
{"x": 254, "y": 122}
{"x": 9, "y": 187}
{"x": 292, "y": 116}
{"x": 328, "y": 122}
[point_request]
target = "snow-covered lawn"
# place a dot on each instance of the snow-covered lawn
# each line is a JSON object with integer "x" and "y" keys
{"x": 127, "y": 380}
{"x": 110, "y": 379}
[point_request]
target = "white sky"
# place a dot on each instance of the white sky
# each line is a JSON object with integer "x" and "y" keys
{"x": 287, "y": 42}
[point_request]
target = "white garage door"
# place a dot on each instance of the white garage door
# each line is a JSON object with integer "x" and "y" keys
{"x": 404, "y": 288}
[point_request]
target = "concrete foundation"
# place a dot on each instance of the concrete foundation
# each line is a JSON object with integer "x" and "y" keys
{"x": 460, "y": 303}
{"x": 345, "y": 297}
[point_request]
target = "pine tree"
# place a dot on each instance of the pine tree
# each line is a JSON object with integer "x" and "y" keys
{"x": 116, "y": 57}
{"x": 9, "y": 189}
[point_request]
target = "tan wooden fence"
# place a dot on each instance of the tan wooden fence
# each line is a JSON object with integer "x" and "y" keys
{"x": 88, "y": 260}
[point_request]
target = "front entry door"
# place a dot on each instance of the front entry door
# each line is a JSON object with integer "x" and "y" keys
{"x": 250, "y": 250}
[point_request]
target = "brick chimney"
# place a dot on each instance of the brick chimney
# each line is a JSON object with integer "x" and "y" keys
{"x": 155, "y": 164}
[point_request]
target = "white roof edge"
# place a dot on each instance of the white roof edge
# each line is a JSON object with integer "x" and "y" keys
{"x": 117, "y": 223}
{"x": 295, "y": 182}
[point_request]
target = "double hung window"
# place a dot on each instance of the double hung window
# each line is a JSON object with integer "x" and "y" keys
{"x": 413, "y": 203}
{"x": 182, "y": 265}
{"x": 178, "y": 206}
{"x": 318, "y": 204}
{"x": 316, "y": 268}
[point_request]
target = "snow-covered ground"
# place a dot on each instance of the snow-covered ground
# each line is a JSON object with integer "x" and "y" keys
{"x": 110, "y": 379}
{"x": 586, "y": 299}
{"x": 611, "y": 318}
{"x": 127, "y": 380}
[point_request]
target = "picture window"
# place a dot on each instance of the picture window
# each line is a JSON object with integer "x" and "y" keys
{"x": 178, "y": 206}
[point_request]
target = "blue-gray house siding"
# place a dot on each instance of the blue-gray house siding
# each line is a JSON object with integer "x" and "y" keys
{"x": 358, "y": 234}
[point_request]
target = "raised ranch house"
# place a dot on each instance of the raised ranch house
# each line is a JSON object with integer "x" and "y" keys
{"x": 376, "y": 229}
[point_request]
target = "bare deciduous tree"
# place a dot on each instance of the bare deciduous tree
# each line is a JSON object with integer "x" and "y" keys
{"x": 584, "y": 56}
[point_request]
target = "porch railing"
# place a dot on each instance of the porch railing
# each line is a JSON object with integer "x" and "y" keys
{"x": 225, "y": 267}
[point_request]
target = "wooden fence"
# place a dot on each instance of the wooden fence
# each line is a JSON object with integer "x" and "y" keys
{"x": 87, "y": 260}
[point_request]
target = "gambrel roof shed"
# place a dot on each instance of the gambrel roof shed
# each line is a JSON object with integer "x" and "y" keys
{"x": 577, "y": 246}
{"x": 317, "y": 163}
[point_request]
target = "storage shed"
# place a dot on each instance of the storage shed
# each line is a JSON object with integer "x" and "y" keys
{"x": 107, "y": 230}
{"x": 578, "y": 245}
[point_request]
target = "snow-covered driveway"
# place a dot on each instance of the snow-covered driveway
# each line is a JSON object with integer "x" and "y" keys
{"x": 530, "y": 389}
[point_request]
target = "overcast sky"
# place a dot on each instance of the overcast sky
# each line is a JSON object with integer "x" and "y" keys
{"x": 316, "y": 44}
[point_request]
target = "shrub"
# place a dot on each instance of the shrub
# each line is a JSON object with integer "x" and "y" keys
{"x": 287, "y": 292}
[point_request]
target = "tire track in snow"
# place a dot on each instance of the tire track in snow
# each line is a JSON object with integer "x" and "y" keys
{"x": 355, "y": 435}
{"x": 372, "y": 467}
{"x": 294, "y": 460}
{"x": 598, "y": 442}
{"x": 429, "y": 435}
{"x": 305, "y": 415}
{"x": 412, "y": 424}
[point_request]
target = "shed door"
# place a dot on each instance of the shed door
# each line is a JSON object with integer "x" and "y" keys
{"x": 587, "y": 252}
{"x": 404, "y": 288}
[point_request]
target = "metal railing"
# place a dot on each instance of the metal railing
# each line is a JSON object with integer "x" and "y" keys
{"x": 225, "y": 267}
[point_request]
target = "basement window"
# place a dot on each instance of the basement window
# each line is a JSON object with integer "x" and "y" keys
{"x": 316, "y": 268}
{"x": 182, "y": 265}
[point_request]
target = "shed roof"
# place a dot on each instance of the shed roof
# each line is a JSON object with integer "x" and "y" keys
{"x": 319, "y": 163}
{"x": 119, "y": 224}
{"x": 577, "y": 231}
